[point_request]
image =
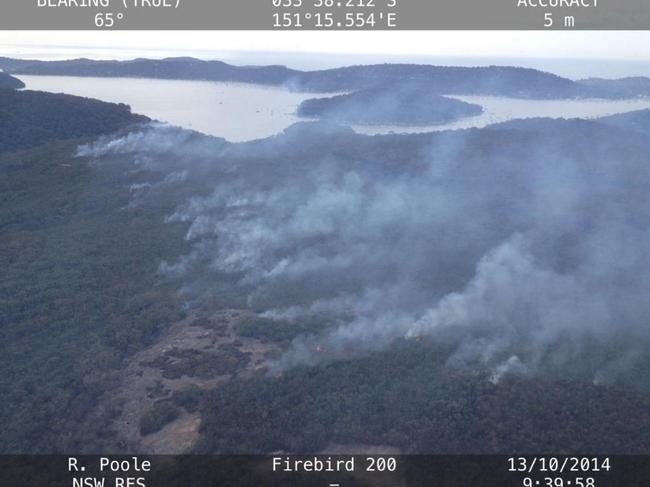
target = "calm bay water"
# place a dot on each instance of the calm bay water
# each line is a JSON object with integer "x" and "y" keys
{"x": 237, "y": 112}
{"x": 240, "y": 112}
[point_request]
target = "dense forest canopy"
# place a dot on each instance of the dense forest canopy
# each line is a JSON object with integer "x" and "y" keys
{"x": 30, "y": 118}
{"x": 77, "y": 274}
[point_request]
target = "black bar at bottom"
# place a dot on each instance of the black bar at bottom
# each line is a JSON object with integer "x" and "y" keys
{"x": 326, "y": 471}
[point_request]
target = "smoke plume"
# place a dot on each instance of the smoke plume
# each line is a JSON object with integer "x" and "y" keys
{"x": 524, "y": 245}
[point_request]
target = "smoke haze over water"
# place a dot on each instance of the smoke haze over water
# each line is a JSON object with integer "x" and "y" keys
{"x": 525, "y": 245}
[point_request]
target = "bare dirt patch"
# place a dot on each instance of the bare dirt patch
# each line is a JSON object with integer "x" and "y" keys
{"x": 194, "y": 355}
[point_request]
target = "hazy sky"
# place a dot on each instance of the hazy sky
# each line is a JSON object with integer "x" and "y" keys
{"x": 335, "y": 48}
{"x": 608, "y": 45}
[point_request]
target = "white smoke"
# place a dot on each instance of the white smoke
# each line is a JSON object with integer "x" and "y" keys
{"x": 523, "y": 251}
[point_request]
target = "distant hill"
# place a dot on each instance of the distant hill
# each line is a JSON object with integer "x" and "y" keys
{"x": 8, "y": 81}
{"x": 442, "y": 80}
{"x": 31, "y": 118}
{"x": 617, "y": 88}
{"x": 399, "y": 105}
{"x": 169, "y": 68}
{"x": 446, "y": 80}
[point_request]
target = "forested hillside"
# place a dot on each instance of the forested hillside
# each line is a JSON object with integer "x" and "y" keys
{"x": 78, "y": 286}
{"x": 31, "y": 118}
{"x": 406, "y": 397}
{"x": 8, "y": 81}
